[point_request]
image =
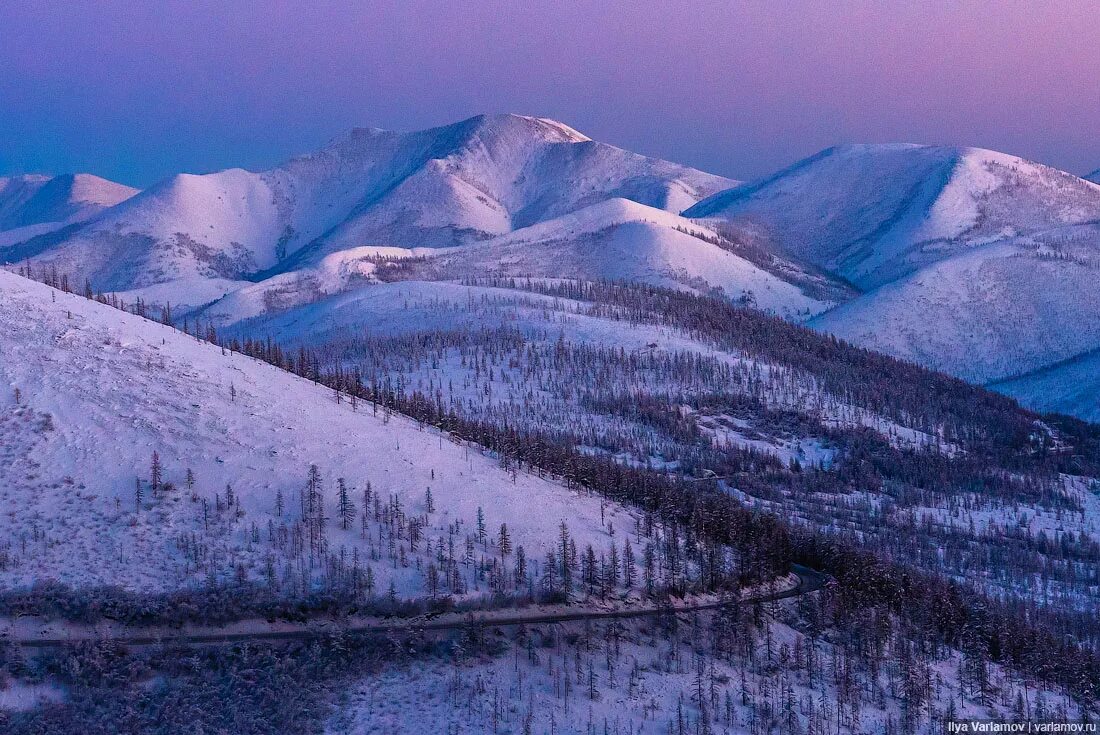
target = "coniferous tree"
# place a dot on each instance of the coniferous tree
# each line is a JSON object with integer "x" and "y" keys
{"x": 504, "y": 541}
{"x": 313, "y": 491}
{"x": 629, "y": 571}
{"x": 155, "y": 473}
{"x": 346, "y": 507}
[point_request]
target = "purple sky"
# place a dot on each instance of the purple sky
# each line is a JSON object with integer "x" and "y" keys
{"x": 135, "y": 89}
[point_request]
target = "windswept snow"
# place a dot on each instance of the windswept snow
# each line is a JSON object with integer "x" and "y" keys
{"x": 622, "y": 240}
{"x": 989, "y": 313}
{"x": 445, "y": 186}
{"x": 56, "y": 200}
{"x": 873, "y": 213}
{"x": 100, "y": 390}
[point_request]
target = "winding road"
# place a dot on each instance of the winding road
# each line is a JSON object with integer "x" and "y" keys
{"x": 808, "y": 581}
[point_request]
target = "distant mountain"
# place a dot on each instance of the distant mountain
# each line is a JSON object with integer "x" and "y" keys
{"x": 616, "y": 239}
{"x": 1094, "y": 177}
{"x": 973, "y": 262}
{"x": 444, "y": 186}
{"x": 874, "y": 213}
{"x": 988, "y": 313}
{"x": 622, "y": 240}
{"x": 33, "y": 204}
{"x": 970, "y": 261}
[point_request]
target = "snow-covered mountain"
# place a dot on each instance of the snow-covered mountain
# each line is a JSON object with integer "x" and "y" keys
{"x": 91, "y": 392}
{"x": 989, "y": 312}
{"x": 34, "y": 204}
{"x": 1094, "y": 177}
{"x": 621, "y": 240}
{"x": 444, "y": 186}
{"x": 616, "y": 239}
{"x": 874, "y": 213}
{"x": 973, "y": 262}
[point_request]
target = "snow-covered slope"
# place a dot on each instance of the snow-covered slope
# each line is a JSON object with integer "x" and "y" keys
{"x": 337, "y": 272}
{"x": 622, "y": 240}
{"x": 89, "y": 393}
{"x": 491, "y": 174}
{"x": 974, "y": 262}
{"x": 1070, "y": 387}
{"x": 443, "y": 186}
{"x": 989, "y": 313}
{"x": 873, "y": 213}
{"x": 220, "y": 225}
{"x": 33, "y": 204}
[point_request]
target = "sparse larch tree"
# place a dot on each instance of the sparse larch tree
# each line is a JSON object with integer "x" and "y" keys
{"x": 156, "y": 473}
{"x": 345, "y": 506}
{"x": 504, "y": 541}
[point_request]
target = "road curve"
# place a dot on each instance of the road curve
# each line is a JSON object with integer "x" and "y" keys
{"x": 808, "y": 581}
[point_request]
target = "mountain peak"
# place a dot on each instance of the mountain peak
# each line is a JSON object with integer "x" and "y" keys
{"x": 557, "y": 131}
{"x": 35, "y": 199}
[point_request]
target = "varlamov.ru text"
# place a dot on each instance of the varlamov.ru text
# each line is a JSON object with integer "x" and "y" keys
{"x": 988, "y": 726}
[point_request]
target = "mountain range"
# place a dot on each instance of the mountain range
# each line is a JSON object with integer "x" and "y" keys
{"x": 426, "y": 423}
{"x": 34, "y": 204}
{"x": 969, "y": 261}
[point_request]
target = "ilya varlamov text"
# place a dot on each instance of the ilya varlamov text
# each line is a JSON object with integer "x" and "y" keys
{"x": 987, "y": 726}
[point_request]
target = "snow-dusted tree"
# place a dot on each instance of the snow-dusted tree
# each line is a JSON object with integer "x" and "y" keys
{"x": 156, "y": 473}
{"x": 629, "y": 571}
{"x": 345, "y": 506}
{"x": 504, "y": 541}
{"x": 313, "y": 491}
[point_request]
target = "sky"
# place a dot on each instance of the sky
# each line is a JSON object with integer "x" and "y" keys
{"x": 136, "y": 90}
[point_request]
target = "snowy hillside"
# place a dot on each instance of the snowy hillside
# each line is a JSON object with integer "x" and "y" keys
{"x": 974, "y": 262}
{"x": 989, "y": 313}
{"x": 340, "y": 271}
{"x": 90, "y": 393}
{"x": 444, "y": 186}
{"x": 1070, "y": 387}
{"x": 621, "y": 240}
{"x": 873, "y": 213}
{"x": 613, "y": 240}
{"x": 32, "y": 205}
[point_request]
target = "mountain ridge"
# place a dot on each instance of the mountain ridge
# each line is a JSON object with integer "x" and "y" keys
{"x": 443, "y": 186}
{"x": 874, "y": 212}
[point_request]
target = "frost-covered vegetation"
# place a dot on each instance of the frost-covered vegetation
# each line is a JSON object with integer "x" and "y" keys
{"x": 805, "y": 666}
{"x": 467, "y": 418}
{"x": 972, "y": 435}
